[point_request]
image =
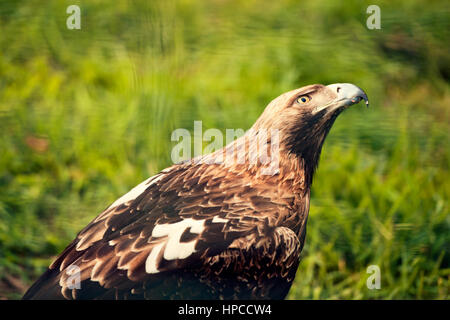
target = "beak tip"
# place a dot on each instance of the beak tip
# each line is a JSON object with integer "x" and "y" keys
{"x": 349, "y": 92}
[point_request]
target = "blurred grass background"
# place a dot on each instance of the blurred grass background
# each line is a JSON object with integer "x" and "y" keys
{"x": 87, "y": 114}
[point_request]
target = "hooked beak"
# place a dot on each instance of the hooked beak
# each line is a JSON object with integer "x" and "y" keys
{"x": 347, "y": 95}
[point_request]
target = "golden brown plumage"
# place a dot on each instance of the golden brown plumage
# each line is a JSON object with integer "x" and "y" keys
{"x": 222, "y": 226}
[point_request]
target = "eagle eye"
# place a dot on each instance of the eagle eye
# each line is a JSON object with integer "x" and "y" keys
{"x": 303, "y": 99}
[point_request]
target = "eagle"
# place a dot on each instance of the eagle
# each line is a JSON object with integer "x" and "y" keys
{"x": 226, "y": 225}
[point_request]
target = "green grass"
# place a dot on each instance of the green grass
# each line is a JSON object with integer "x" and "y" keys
{"x": 87, "y": 114}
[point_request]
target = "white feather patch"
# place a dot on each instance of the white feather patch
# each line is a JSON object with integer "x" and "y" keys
{"x": 150, "y": 263}
{"x": 136, "y": 191}
{"x": 174, "y": 249}
{"x": 218, "y": 219}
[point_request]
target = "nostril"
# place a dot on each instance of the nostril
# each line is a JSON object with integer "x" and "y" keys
{"x": 338, "y": 88}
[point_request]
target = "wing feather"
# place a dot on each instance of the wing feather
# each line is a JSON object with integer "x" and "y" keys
{"x": 201, "y": 212}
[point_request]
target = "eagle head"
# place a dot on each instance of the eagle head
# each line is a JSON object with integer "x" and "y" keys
{"x": 304, "y": 117}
